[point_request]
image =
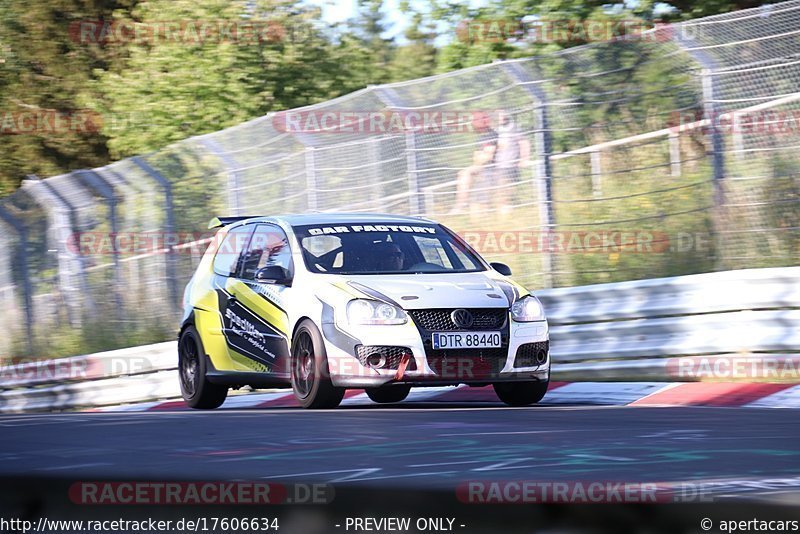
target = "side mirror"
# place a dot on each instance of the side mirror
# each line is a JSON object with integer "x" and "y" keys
{"x": 273, "y": 274}
{"x": 501, "y": 268}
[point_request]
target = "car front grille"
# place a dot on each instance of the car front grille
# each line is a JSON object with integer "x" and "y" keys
{"x": 440, "y": 320}
{"x": 463, "y": 364}
{"x": 532, "y": 354}
{"x": 391, "y": 355}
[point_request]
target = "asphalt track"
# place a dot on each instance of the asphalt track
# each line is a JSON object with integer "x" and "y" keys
{"x": 734, "y": 452}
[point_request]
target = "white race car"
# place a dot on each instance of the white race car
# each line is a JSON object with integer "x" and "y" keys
{"x": 327, "y": 302}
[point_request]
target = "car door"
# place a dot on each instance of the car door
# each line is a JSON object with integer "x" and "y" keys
{"x": 227, "y": 266}
{"x": 258, "y": 307}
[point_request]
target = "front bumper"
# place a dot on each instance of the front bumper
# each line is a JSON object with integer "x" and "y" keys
{"x": 434, "y": 368}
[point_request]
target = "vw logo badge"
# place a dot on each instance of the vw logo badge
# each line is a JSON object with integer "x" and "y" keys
{"x": 462, "y": 318}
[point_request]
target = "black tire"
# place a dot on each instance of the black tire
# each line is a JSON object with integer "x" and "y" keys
{"x": 311, "y": 381}
{"x": 197, "y": 391}
{"x": 388, "y": 394}
{"x": 521, "y": 393}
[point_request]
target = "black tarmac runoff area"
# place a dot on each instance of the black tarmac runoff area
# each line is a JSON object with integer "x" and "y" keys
{"x": 427, "y": 465}
{"x": 733, "y": 452}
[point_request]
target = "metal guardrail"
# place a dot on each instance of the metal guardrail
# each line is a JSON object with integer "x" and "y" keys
{"x": 123, "y": 362}
{"x": 134, "y": 374}
{"x": 726, "y": 291}
{"x": 93, "y": 393}
{"x": 719, "y": 333}
{"x": 639, "y": 330}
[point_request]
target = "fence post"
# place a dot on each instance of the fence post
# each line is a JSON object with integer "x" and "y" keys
{"x": 543, "y": 149}
{"x": 415, "y": 204}
{"x": 311, "y": 178}
{"x": 127, "y": 192}
{"x": 64, "y": 225}
{"x": 711, "y": 112}
{"x": 22, "y": 264}
{"x": 675, "y": 154}
{"x": 234, "y": 200}
{"x": 374, "y": 170}
{"x": 597, "y": 173}
{"x": 95, "y": 181}
{"x": 736, "y": 136}
{"x": 414, "y": 199}
{"x": 169, "y": 229}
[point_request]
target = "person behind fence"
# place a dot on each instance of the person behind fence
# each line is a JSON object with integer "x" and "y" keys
{"x": 478, "y": 174}
{"x": 511, "y": 157}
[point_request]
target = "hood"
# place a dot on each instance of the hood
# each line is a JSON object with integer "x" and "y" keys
{"x": 421, "y": 291}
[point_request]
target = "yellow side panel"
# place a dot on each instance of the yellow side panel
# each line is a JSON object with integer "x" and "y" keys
{"x": 248, "y": 364}
{"x": 259, "y": 305}
{"x": 209, "y": 325}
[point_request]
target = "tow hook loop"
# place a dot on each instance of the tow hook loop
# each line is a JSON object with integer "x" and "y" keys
{"x": 401, "y": 368}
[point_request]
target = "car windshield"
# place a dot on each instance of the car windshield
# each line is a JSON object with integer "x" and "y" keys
{"x": 380, "y": 248}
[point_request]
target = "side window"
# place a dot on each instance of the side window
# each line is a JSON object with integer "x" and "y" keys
{"x": 226, "y": 261}
{"x": 269, "y": 247}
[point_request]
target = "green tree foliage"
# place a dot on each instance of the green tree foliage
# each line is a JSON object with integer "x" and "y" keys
{"x": 369, "y": 28}
{"x": 170, "y": 89}
{"x": 43, "y": 70}
{"x": 417, "y": 58}
{"x": 151, "y": 92}
{"x": 470, "y": 44}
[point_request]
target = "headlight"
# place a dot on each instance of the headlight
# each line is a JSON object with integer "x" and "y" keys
{"x": 527, "y": 309}
{"x": 364, "y": 311}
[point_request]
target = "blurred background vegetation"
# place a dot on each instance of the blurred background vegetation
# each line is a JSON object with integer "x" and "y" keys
{"x": 154, "y": 92}
{"x": 155, "y": 96}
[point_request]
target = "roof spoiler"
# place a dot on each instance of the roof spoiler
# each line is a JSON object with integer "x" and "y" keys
{"x": 218, "y": 222}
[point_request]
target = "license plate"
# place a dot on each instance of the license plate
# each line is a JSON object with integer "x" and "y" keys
{"x": 466, "y": 340}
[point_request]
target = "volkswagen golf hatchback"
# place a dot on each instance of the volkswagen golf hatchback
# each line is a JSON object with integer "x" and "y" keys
{"x": 326, "y": 302}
